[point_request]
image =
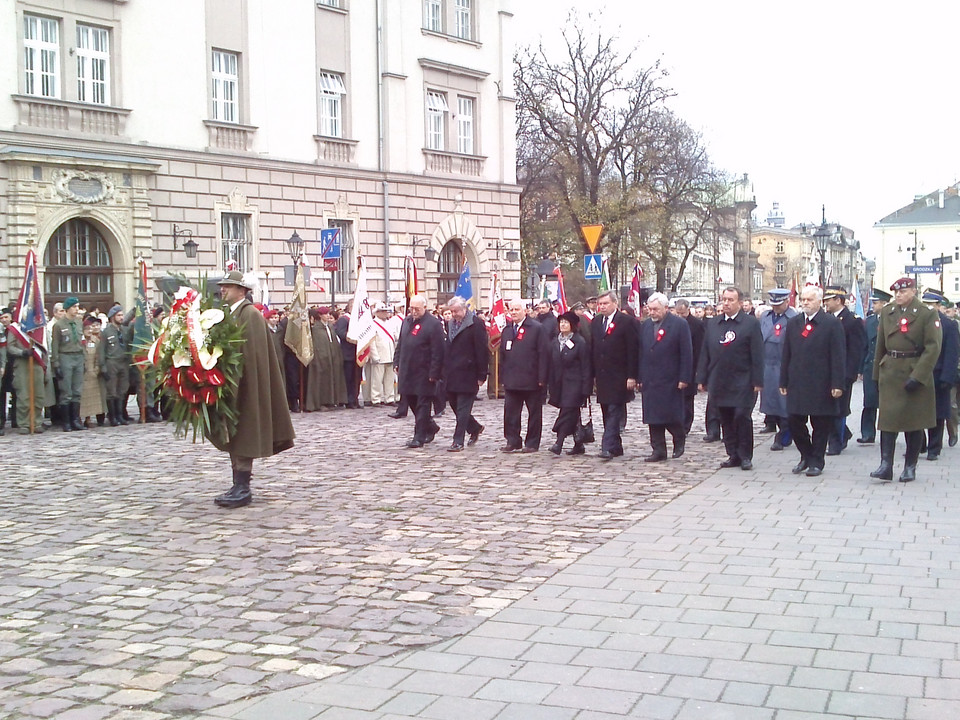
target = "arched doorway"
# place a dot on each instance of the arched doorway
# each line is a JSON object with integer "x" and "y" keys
{"x": 77, "y": 262}
{"x": 449, "y": 266}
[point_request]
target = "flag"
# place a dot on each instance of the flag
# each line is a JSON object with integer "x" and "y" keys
{"x": 361, "y": 329}
{"x": 316, "y": 283}
{"x": 142, "y": 324}
{"x": 498, "y": 312}
{"x": 604, "y": 275}
{"x": 634, "y": 301}
{"x": 409, "y": 279}
{"x": 858, "y": 300}
{"x": 544, "y": 292}
{"x": 297, "y": 336}
{"x": 561, "y": 293}
{"x": 30, "y": 321}
{"x": 464, "y": 286}
{"x": 795, "y": 290}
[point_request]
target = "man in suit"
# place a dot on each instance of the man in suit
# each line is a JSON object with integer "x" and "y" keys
{"x": 524, "y": 369}
{"x": 419, "y": 359}
{"x": 465, "y": 365}
{"x": 811, "y": 378}
{"x": 835, "y": 301}
{"x": 614, "y": 348}
{"x": 731, "y": 372}
{"x": 944, "y": 372}
{"x": 871, "y": 393}
{"x": 682, "y": 309}
{"x": 665, "y": 370}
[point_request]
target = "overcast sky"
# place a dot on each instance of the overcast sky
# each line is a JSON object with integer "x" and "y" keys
{"x": 850, "y": 104}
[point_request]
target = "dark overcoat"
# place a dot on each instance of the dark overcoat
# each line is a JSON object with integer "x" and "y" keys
{"x": 613, "y": 357}
{"x": 466, "y": 356}
{"x": 871, "y": 393}
{"x": 731, "y": 362}
{"x": 347, "y": 349}
{"x": 665, "y": 359}
{"x": 813, "y": 364}
{"x": 569, "y": 371}
{"x": 419, "y": 355}
{"x": 326, "y": 384}
{"x": 856, "y": 342}
{"x": 551, "y": 325}
{"x": 902, "y": 411}
{"x": 264, "y": 427}
{"x": 696, "y": 339}
{"x": 945, "y": 371}
{"x": 524, "y": 356}
{"x": 773, "y": 327}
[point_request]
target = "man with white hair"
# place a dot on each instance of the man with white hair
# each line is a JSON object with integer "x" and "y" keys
{"x": 382, "y": 349}
{"x": 665, "y": 370}
{"x": 465, "y": 363}
{"x": 419, "y": 359}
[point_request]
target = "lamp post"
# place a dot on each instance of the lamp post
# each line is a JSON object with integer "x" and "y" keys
{"x": 821, "y": 239}
{"x": 189, "y": 245}
{"x": 916, "y": 248}
{"x": 295, "y": 245}
{"x": 510, "y": 254}
{"x": 429, "y": 254}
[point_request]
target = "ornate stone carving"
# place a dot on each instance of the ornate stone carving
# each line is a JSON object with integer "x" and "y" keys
{"x": 83, "y": 187}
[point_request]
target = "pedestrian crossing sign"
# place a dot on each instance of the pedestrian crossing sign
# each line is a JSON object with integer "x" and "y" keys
{"x": 591, "y": 267}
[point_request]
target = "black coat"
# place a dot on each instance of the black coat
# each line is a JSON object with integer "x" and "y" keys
{"x": 812, "y": 366}
{"x": 945, "y": 371}
{"x": 871, "y": 393}
{"x": 731, "y": 361}
{"x": 347, "y": 348}
{"x": 614, "y": 357}
{"x": 551, "y": 325}
{"x": 524, "y": 357}
{"x": 569, "y": 372}
{"x": 696, "y": 339}
{"x": 856, "y": 342}
{"x": 419, "y": 355}
{"x": 665, "y": 360}
{"x": 466, "y": 357}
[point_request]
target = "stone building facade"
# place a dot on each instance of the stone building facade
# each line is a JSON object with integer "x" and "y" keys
{"x": 129, "y": 128}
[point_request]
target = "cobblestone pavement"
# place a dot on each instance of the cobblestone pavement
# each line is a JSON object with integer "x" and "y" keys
{"x": 126, "y": 594}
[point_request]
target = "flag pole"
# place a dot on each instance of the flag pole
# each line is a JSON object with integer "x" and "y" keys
{"x": 33, "y": 393}
{"x": 496, "y": 374}
{"x": 142, "y": 394}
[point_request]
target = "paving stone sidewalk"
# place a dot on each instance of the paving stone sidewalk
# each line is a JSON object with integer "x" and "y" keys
{"x": 754, "y": 596}
{"x": 126, "y": 595}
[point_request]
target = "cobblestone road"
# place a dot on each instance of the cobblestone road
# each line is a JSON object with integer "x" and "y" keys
{"x": 126, "y": 594}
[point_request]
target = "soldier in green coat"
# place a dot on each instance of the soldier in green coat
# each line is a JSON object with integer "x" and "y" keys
{"x": 66, "y": 354}
{"x": 114, "y": 352}
{"x": 908, "y": 345}
{"x": 21, "y": 383}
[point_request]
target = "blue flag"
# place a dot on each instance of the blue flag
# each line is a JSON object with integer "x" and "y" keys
{"x": 464, "y": 286}
{"x": 858, "y": 300}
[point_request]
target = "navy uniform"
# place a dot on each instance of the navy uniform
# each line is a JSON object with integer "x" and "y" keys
{"x": 871, "y": 392}
{"x": 908, "y": 345}
{"x": 944, "y": 373}
{"x": 773, "y": 327}
{"x": 66, "y": 354}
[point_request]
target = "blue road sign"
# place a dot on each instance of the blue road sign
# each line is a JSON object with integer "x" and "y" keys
{"x": 330, "y": 242}
{"x": 920, "y": 269}
{"x": 592, "y": 265}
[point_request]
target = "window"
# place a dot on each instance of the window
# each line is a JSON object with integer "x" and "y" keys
{"x": 235, "y": 239}
{"x": 77, "y": 262}
{"x": 465, "y": 125}
{"x": 433, "y": 15}
{"x": 461, "y": 19}
{"x": 225, "y": 81}
{"x": 41, "y": 56}
{"x": 332, "y": 90}
{"x": 779, "y": 246}
{"x": 93, "y": 65}
{"x": 781, "y": 266}
{"x": 343, "y": 278}
{"x": 449, "y": 264}
{"x": 436, "y": 120}
{"x": 329, "y": 3}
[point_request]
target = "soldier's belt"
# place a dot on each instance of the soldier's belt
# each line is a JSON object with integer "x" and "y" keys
{"x": 903, "y": 353}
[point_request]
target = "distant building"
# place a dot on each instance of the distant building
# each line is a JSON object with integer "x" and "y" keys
{"x": 924, "y": 233}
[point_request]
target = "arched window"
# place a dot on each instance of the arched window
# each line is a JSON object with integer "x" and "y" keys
{"x": 77, "y": 262}
{"x": 450, "y": 264}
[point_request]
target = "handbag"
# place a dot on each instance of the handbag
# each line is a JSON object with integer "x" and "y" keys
{"x": 584, "y": 432}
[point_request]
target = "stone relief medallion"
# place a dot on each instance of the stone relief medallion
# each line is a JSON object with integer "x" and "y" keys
{"x": 83, "y": 187}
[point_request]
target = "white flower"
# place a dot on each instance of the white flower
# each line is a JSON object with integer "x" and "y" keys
{"x": 209, "y": 318}
{"x": 208, "y": 358}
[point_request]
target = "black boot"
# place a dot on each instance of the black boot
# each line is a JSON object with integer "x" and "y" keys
{"x": 658, "y": 441}
{"x": 124, "y": 415}
{"x": 868, "y": 426}
{"x": 888, "y": 444}
{"x": 65, "y": 420}
{"x": 935, "y": 440}
{"x": 113, "y": 412}
{"x": 577, "y": 449}
{"x": 153, "y": 416}
{"x": 914, "y": 440}
{"x": 75, "y": 421}
{"x": 239, "y": 495}
{"x": 679, "y": 445}
{"x": 100, "y": 419}
{"x": 557, "y": 447}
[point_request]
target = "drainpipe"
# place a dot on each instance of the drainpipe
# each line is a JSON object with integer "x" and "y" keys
{"x": 380, "y": 152}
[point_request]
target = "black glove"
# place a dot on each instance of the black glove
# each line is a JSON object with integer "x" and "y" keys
{"x": 912, "y": 385}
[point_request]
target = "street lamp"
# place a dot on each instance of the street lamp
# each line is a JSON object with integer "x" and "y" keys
{"x": 429, "y": 254}
{"x": 821, "y": 239}
{"x": 917, "y": 245}
{"x": 511, "y": 255}
{"x": 189, "y": 246}
{"x": 295, "y": 247}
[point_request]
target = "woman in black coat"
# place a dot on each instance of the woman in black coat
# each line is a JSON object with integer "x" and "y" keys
{"x": 569, "y": 380}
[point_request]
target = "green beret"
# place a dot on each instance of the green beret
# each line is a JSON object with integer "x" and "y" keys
{"x": 70, "y": 302}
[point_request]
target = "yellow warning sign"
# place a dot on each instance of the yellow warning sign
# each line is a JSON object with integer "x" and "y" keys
{"x": 592, "y": 233}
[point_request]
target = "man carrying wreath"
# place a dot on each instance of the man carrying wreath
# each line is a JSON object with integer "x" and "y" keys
{"x": 263, "y": 427}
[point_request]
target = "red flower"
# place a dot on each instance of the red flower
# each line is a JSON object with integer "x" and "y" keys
{"x": 197, "y": 375}
{"x": 216, "y": 378}
{"x": 209, "y": 395}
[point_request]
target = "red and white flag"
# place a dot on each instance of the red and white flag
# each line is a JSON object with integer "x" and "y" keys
{"x": 498, "y": 312}
{"x": 30, "y": 322}
{"x": 634, "y": 301}
{"x": 361, "y": 330}
{"x": 561, "y": 293}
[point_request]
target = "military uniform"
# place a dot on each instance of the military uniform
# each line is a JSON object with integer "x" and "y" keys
{"x": 66, "y": 354}
{"x": 908, "y": 345}
{"x": 115, "y": 360}
{"x": 20, "y": 356}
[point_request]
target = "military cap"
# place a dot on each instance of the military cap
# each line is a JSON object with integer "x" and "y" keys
{"x": 834, "y": 291}
{"x": 778, "y": 295}
{"x": 902, "y": 284}
{"x": 114, "y": 310}
{"x": 70, "y": 302}
{"x": 880, "y": 296}
{"x": 931, "y": 296}
{"x": 91, "y": 320}
{"x": 6, "y": 311}
{"x": 235, "y": 277}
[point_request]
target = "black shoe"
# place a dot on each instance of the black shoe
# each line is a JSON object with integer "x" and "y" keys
{"x": 711, "y": 438}
{"x": 605, "y": 455}
{"x": 509, "y": 449}
{"x": 952, "y": 442}
{"x": 528, "y": 449}
{"x": 730, "y": 462}
{"x": 414, "y": 444}
{"x": 866, "y": 440}
{"x": 932, "y": 456}
{"x": 395, "y": 415}
{"x": 776, "y": 447}
{"x": 294, "y": 406}
{"x": 800, "y": 467}
{"x": 75, "y": 421}
{"x": 909, "y": 473}
{"x": 438, "y": 414}
{"x": 153, "y": 416}
{"x": 746, "y": 465}
{"x": 238, "y": 495}
{"x": 556, "y": 448}
{"x": 832, "y": 451}
{"x": 474, "y": 436}
{"x": 655, "y": 457}
{"x": 768, "y": 429}
{"x": 814, "y": 471}
{"x": 679, "y": 446}
{"x": 577, "y": 449}
{"x": 455, "y": 447}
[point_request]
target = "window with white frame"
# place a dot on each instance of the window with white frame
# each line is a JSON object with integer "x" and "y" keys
{"x": 332, "y": 91}
{"x": 41, "y": 56}
{"x": 93, "y": 64}
{"x": 779, "y": 246}
{"x": 461, "y": 19}
{"x": 465, "y": 125}
{"x": 225, "y": 81}
{"x": 235, "y": 239}
{"x": 437, "y": 110}
{"x": 781, "y": 266}
{"x": 433, "y": 15}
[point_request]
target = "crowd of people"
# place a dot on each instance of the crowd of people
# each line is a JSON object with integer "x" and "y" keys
{"x": 801, "y": 363}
